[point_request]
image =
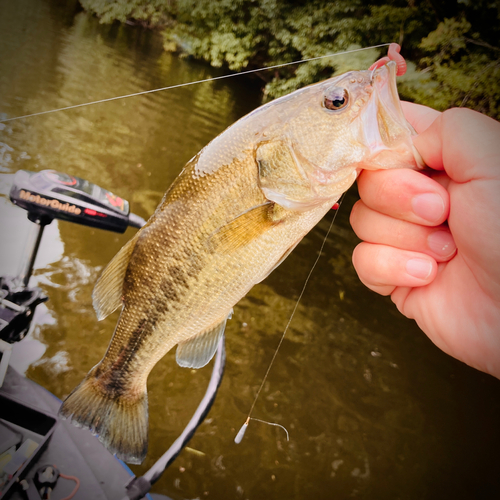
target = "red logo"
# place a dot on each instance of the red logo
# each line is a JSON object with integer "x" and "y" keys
{"x": 115, "y": 201}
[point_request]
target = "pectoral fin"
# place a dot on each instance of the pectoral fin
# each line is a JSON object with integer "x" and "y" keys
{"x": 199, "y": 350}
{"x": 107, "y": 294}
{"x": 247, "y": 227}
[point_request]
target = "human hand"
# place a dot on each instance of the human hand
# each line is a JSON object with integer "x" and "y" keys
{"x": 432, "y": 240}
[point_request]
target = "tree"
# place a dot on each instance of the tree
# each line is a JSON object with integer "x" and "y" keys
{"x": 451, "y": 45}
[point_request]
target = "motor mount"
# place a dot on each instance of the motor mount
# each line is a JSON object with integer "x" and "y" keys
{"x": 49, "y": 195}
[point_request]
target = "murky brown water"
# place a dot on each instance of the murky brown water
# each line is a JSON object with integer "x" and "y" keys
{"x": 373, "y": 409}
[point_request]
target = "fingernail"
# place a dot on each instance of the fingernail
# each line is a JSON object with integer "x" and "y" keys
{"x": 419, "y": 268}
{"x": 428, "y": 206}
{"x": 442, "y": 243}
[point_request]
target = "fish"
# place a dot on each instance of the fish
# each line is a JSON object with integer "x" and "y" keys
{"x": 234, "y": 213}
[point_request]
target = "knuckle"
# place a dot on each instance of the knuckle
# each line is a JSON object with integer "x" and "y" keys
{"x": 400, "y": 235}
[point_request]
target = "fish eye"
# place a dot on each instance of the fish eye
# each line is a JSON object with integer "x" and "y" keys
{"x": 336, "y": 99}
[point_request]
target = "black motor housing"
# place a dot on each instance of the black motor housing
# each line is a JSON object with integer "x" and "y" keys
{"x": 49, "y": 195}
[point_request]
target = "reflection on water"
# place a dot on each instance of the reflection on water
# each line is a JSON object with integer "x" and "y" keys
{"x": 373, "y": 409}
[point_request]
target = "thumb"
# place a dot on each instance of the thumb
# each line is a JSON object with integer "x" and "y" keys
{"x": 458, "y": 141}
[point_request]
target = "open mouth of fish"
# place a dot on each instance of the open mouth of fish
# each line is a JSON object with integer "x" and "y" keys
{"x": 387, "y": 133}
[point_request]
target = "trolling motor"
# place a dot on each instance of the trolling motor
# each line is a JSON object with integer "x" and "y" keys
{"x": 49, "y": 195}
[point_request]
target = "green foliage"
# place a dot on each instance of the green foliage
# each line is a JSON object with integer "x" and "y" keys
{"x": 148, "y": 12}
{"x": 248, "y": 34}
{"x": 452, "y": 43}
{"x": 465, "y": 70}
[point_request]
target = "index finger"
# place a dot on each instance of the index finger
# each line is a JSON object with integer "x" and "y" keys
{"x": 419, "y": 116}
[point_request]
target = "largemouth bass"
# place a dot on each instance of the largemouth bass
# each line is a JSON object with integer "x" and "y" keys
{"x": 231, "y": 217}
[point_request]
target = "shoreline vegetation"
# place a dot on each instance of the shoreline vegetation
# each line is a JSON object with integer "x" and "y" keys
{"x": 451, "y": 46}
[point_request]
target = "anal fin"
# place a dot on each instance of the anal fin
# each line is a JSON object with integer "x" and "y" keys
{"x": 197, "y": 351}
{"x": 107, "y": 294}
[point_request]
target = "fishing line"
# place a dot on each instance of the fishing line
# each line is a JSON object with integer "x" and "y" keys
{"x": 243, "y": 429}
{"x": 211, "y": 79}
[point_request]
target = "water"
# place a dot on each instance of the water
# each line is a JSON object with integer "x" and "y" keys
{"x": 373, "y": 409}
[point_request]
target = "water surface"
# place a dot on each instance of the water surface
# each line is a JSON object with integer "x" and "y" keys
{"x": 373, "y": 409}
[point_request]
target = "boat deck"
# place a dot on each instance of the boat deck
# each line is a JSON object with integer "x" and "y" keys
{"x": 73, "y": 451}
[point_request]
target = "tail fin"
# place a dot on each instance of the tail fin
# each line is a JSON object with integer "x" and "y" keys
{"x": 120, "y": 422}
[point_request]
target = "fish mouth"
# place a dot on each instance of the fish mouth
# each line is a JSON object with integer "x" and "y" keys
{"x": 387, "y": 133}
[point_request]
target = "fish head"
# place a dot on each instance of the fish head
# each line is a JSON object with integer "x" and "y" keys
{"x": 347, "y": 123}
{"x": 355, "y": 118}
{"x": 310, "y": 145}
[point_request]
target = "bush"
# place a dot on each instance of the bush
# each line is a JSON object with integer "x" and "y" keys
{"x": 451, "y": 45}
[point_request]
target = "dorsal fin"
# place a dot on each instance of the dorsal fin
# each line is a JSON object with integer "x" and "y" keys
{"x": 107, "y": 294}
{"x": 200, "y": 349}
